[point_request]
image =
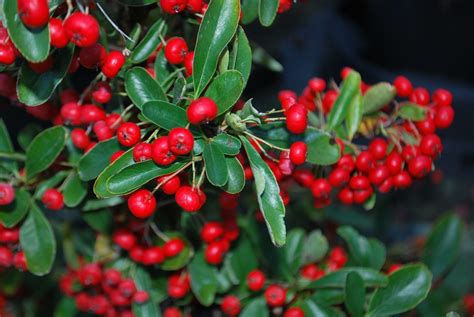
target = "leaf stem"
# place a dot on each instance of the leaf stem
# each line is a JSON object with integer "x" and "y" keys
{"x": 13, "y": 156}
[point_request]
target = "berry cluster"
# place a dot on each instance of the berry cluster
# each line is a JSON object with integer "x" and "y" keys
{"x": 102, "y": 291}
{"x": 10, "y": 250}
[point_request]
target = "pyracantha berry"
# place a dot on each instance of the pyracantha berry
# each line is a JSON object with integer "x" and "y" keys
{"x": 82, "y": 29}
{"x": 33, "y": 13}
{"x": 53, "y": 199}
{"x": 128, "y": 134}
{"x": 176, "y": 50}
{"x": 142, "y": 203}
{"x": 201, "y": 111}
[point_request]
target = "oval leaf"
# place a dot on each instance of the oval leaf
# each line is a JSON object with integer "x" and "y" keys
{"x": 322, "y": 150}
{"x": 315, "y": 247}
{"x": 44, "y": 149}
{"x": 38, "y": 242}
{"x": 74, "y": 190}
{"x": 216, "y": 167}
{"x": 256, "y": 307}
{"x": 378, "y": 96}
{"x": 100, "y": 184}
{"x": 12, "y": 214}
{"x": 94, "y": 161}
{"x": 203, "y": 279}
{"x": 236, "y": 181}
{"x": 241, "y": 55}
{"x": 165, "y": 114}
{"x": 249, "y": 11}
{"x": 141, "y": 87}
{"x": 217, "y": 29}
{"x": 371, "y": 277}
{"x": 149, "y": 43}
{"x": 226, "y": 89}
{"x": 33, "y": 44}
{"x": 407, "y": 287}
{"x": 355, "y": 294}
{"x": 354, "y": 115}
{"x": 412, "y": 111}
{"x": 228, "y": 144}
{"x": 267, "y": 11}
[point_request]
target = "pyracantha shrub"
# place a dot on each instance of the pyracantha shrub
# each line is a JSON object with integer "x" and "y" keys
{"x": 179, "y": 186}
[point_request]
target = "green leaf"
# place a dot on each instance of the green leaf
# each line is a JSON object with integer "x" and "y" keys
{"x": 407, "y": 287}
{"x": 313, "y": 309}
{"x": 329, "y": 296}
{"x": 256, "y": 307}
{"x": 134, "y": 176}
{"x": 12, "y": 214}
{"x": 27, "y": 134}
{"x": 162, "y": 70}
{"x": 44, "y": 149}
{"x": 228, "y": 144}
{"x": 267, "y": 11}
{"x": 38, "y": 242}
{"x": 323, "y": 150}
{"x": 293, "y": 250}
{"x": 378, "y": 96}
{"x": 99, "y": 220}
{"x": 241, "y": 55}
{"x": 443, "y": 245}
{"x": 142, "y": 281}
{"x": 179, "y": 89}
{"x": 268, "y": 195}
{"x": 235, "y": 171}
{"x": 95, "y": 204}
{"x": 74, "y": 190}
{"x": 412, "y": 111}
{"x": 238, "y": 261}
{"x": 94, "y": 161}
{"x": 354, "y": 115}
{"x": 100, "y": 185}
{"x": 141, "y": 87}
{"x": 165, "y": 115}
{"x": 371, "y": 277}
{"x": 134, "y": 35}
{"x": 355, "y": 294}
{"x": 32, "y": 43}
{"x": 183, "y": 258}
{"x": 65, "y": 307}
{"x": 217, "y": 29}
{"x": 137, "y": 3}
{"x": 362, "y": 251}
{"x": 315, "y": 247}
{"x": 149, "y": 43}
{"x": 216, "y": 167}
{"x": 249, "y": 11}
{"x": 6, "y": 146}
{"x": 350, "y": 88}
{"x": 203, "y": 279}
{"x": 226, "y": 89}
{"x": 452, "y": 314}
{"x": 35, "y": 89}
{"x": 263, "y": 58}
{"x": 51, "y": 182}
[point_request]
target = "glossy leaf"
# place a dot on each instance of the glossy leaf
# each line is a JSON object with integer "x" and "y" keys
{"x": 203, "y": 279}
{"x": 443, "y": 245}
{"x": 74, "y": 190}
{"x": 165, "y": 115}
{"x": 239, "y": 262}
{"x": 371, "y": 277}
{"x": 355, "y": 294}
{"x": 94, "y": 161}
{"x": 263, "y": 58}
{"x": 407, "y": 287}
{"x": 217, "y": 29}
{"x": 256, "y": 307}
{"x": 162, "y": 69}
{"x": 12, "y": 214}
{"x": 267, "y": 11}
{"x": 349, "y": 89}
{"x": 329, "y": 296}
{"x": 142, "y": 281}
{"x": 141, "y": 87}
{"x": 293, "y": 250}
{"x": 52, "y": 182}
{"x": 268, "y": 195}
{"x": 378, "y": 96}
{"x": 65, "y": 307}
{"x": 33, "y": 44}
{"x": 100, "y": 184}
{"x": 228, "y": 144}
{"x": 249, "y": 11}
{"x": 35, "y": 89}
{"x": 216, "y": 167}
{"x": 322, "y": 150}
{"x": 241, "y": 55}
{"x": 99, "y": 220}
{"x": 226, "y": 89}
{"x": 149, "y": 43}
{"x": 44, "y": 149}
{"x": 38, "y": 242}
{"x": 135, "y": 36}
{"x": 134, "y": 176}
{"x": 315, "y": 247}
{"x": 354, "y": 115}
{"x": 313, "y": 309}
{"x": 6, "y": 146}
{"x": 411, "y": 111}
{"x": 235, "y": 171}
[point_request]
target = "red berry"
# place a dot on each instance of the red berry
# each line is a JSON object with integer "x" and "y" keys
{"x": 80, "y": 139}
{"x": 6, "y": 257}
{"x": 82, "y": 29}
{"x": 142, "y": 203}
{"x": 420, "y": 166}
{"x": 402, "y": 180}
{"x": 379, "y": 174}
{"x": 136, "y": 254}
{"x": 152, "y": 256}
{"x": 180, "y": 141}
{"x": 321, "y": 188}
{"x": 211, "y": 231}
{"x": 201, "y": 111}
{"x": 172, "y": 312}
{"x": 178, "y": 285}
{"x": 125, "y": 239}
{"x": 426, "y": 126}
{"x": 230, "y": 305}
{"x": 329, "y": 99}
{"x": 275, "y": 295}
{"x": 176, "y": 49}
{"x": 444, "y": 117}
{"x": 141, "y": 297}
{"x": 90, "y": 274}
{"x": 71, "y": 113}
{"x": 33, "y": 13}
{"x": 297, "y": 119}
{"x": 57, "y": 33}
{"x": 173, "y": 247}
{"x": 443, "y": 98}
{"x": 311, "y": 272}
{"x": 420, "y": 96}
{"x": 128, "y": 134}
{"x": 345, "y": 72}
{"x": 91, "y": 113}
{"x": 142, "y": 152}
{"x": 188, "y": 62}
{"x": 214, "y": 253}
{"x": 365, "y": 161}
{"x": 346, "y": 196}
{"x": 339, "y": 256}
{"x": 317, "y": 85}
{"x": 298, "y": 152}
{"x": 113, "y": 64}
{"x": 346, "y": 162}
{"x": 294, "y": 312}
{"x": 53, "y": 199}
{"x": 256, "y": 280}
{"x": 378, "y": 148}
{"x": 19, "y": 261}
{"x": 172, "y": 6}
{"x": 161, "y": 153}
{"x": 92, "y": 56}
{"x": 304, "y": 177}
{"x": 7, "y": 194}
{"x": 386, "y": 186}
{"x": 409, "y": 152}
{"x": 7, "y": 54}
{"x": 189, "y": 198}
{"x": 431, "y": 145}
{"x": 112, "y": 277}
{"x": 127, "y": 288}
{"x": 287, "y": 98}
{"x": 102, "y": 130}
{"x": 171, "y": 186}
{"x": 338, "y": 177}
{"x": 403, "y": 86}
{"x": 359, "y": 182}
{"x": 102, "y": 92}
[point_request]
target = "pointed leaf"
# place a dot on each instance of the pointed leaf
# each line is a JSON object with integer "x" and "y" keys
{"x": 216, "y": 167}
{"x": 241, "y": 55}
{"x": 412, "y": 111}
{"x": 226, "y": 89}
{"x": 203, "y": 279}
{"x": 236, "y": 181}
{"x": 12, "y": 214}
{"x": 355, "y": 294}
{"x": 100, "y": 185}
{"x": 165, "y": 115}
{"x": 97, "y": 158}
{"x": 74, "y": 190}
{"x": 149, "y": 43}
{"x": 141, "y": 87}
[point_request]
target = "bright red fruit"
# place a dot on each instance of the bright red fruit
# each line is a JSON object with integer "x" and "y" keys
{"x": 173, "y": 6}
{"x": 142, "y": 203}
{"x": 160, "y": 151}
{"x": 142, "y": 152}
{"x": 82, "y": 29}
{"x": 57, "y": 33}
{"x": 102, "y": 92}
{"x": 442, "y": 97}
{"x": 53, "y": 199}
{"x": 180, "y": 141}
{"x": 7, "y": 194}
{"x": 297, "y": 119}
{"x": 189, "y": 198}
{"x": 176, "y": 50}
{"x": 275, "y": 295}
{"x": 321, "y": 188}
{"x": 403, "y": 86}
{"x": 33, "y": 13}
{"x": 256, "y": 280}
{"x": 7, "y": 54}
{"x": 230, "y": 305}
{"x": 171, "y": 185}
{"x": 125, "y": 239}
{"x": 80, "y": 139}
{"x": 141, "y": 297}
{"x": 113, "y": 64}
{"x": 128, "y": 134}
{"x": 214, "y": 253}
{"x": 201, "y": 111}
{"x": 211, "y": 231}
{"x": 294, "y": 312}
{"x": 444, "y": 117}
{"x": 173, "y": 247}
{"x": 152, "y": 256}
{"x": 298, "y": 152}
{"x": 420, "y": 166}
